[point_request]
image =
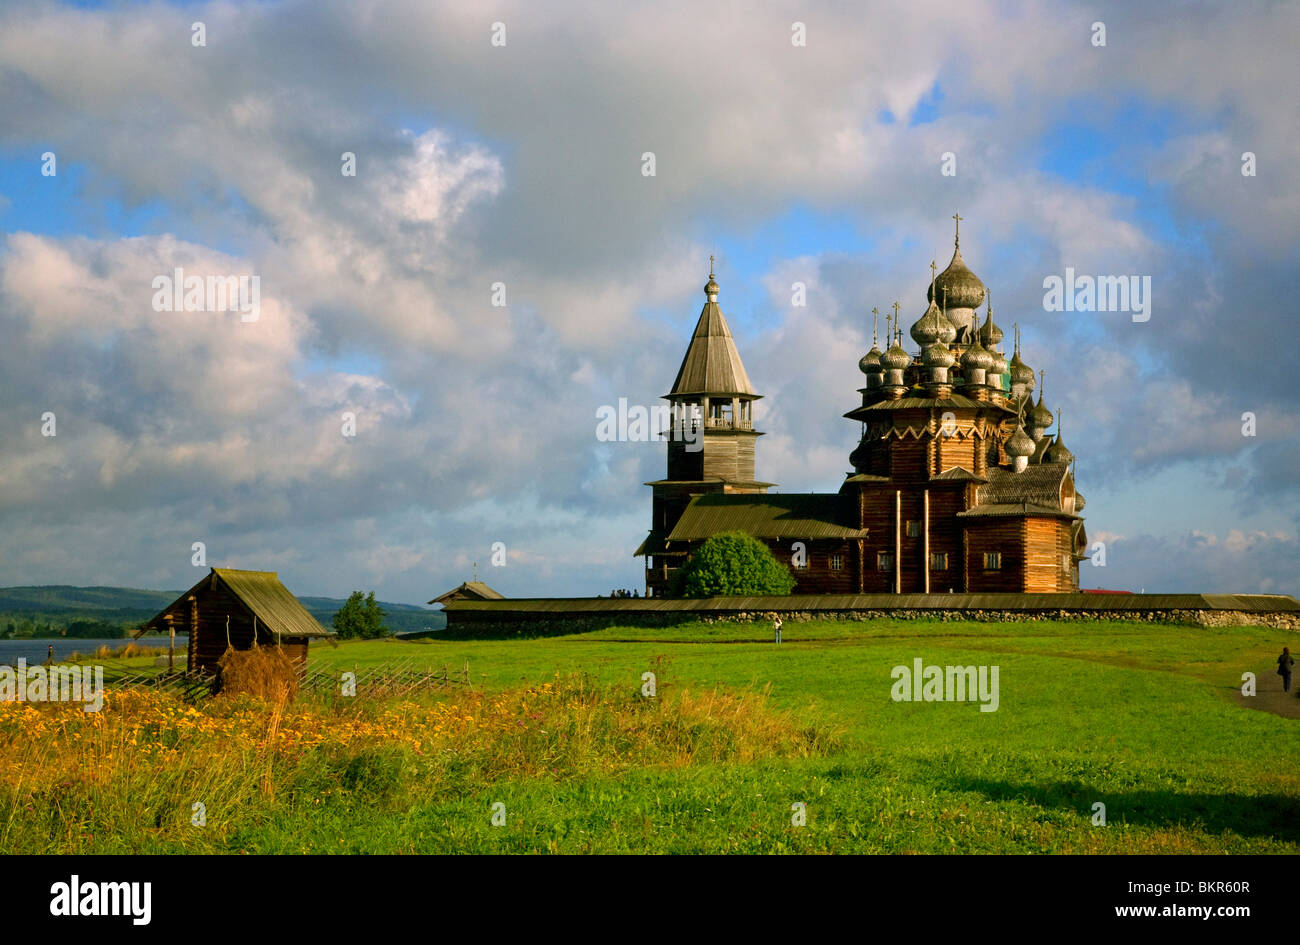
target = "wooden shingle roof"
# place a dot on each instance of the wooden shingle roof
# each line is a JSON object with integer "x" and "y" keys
{"x": 712, "y": 364}
{"x": 1048, "y": 603}
{"x": 1036, "y": 485}
{"x": 783, "y": 515}
{"x": 271, "y": 602}
{"x": 470, "y": 590}
{"x": 266, "y": 598}
{"x": 1015, "y": 510}
{"x": 921, "y": 402}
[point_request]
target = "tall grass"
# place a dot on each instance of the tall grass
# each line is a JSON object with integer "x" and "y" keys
{"x": 129, "y": 777}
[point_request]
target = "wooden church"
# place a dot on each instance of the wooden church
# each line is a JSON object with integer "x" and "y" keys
{"x": 957, "y": 482}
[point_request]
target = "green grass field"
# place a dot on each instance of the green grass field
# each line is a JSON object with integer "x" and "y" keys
{"x": 1144, "y": 719}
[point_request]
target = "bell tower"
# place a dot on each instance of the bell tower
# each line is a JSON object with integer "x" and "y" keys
{"x": 711, "y": 434}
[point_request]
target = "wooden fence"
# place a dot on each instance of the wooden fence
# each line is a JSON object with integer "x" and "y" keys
{"x": 380, "y": 680}
{"x": 394, "y": 678}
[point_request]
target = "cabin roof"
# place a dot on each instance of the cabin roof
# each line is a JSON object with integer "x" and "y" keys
{"x": 470, "y": 590}
{"x": 262, "y": 593}
{"x": 782, "y": 515}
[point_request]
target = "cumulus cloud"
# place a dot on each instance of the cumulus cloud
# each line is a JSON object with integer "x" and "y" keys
{"x": 521, "y": 165}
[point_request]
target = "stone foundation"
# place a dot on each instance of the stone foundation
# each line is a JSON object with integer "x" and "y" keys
{"x": 480, "y": 624}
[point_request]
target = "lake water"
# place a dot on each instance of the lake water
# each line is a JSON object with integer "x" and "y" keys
{"x": 37, "y": 651}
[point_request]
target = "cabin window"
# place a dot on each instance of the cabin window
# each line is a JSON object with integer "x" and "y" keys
{"x": 913, "y": 529}
{"x": 992, "y": 560}
{"x": 884, "y": 561}
{"x": 939, "y": 561}
{"x": 837, "y": 562}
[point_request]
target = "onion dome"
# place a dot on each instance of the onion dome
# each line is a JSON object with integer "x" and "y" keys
{"x": 999, "y": 364}
{"x": 958, "y": 285}
{"x": 932, "y": 327}
{"x": 1079, "y": 503}
{"x": 1021, "y": 373}
{"x": 870, "y": 363}
{"x": 990, "y": 334}
{"x": 895, "y": 359}
{"x": 1020, "y": 444}
{"x": 1039, "y": 415}
{"x": 1057, "y": 452}
{"x": 937, "y": 355}
{"x": 861, "y": 455}
{"x": 976, "y": 358}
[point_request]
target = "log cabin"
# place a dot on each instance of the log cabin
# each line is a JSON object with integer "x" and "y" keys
{"x": 957, "y": 485}
{"x": 230, "y": 608}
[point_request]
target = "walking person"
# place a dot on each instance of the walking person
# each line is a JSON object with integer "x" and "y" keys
{"x": 776, "y": 627}
{"x": 1284, "y": 664}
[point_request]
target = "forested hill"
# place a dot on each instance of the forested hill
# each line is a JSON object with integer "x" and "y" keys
{"x": 63, "y": 610}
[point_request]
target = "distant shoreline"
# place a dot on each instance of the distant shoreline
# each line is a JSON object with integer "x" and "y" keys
{"x": 36, "y": 650}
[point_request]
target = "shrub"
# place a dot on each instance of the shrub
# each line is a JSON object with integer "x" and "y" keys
{"x": 733, "y": 564}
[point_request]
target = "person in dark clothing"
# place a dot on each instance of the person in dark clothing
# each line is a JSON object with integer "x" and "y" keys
{"x": 1284, "y": 664}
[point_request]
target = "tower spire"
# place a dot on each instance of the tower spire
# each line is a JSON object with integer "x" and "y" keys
{"x": 956, "y": 239}
{"x": 875, "y": 325}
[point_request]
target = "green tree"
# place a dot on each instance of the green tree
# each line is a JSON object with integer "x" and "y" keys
{"x": 733, "y": 563}
{"x": 361, "y": 617}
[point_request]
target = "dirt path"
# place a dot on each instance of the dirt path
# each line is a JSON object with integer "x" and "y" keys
{"x": 1269, "y": 696}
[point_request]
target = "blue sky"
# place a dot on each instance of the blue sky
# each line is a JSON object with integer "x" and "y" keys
{"x": 521, "y": 164}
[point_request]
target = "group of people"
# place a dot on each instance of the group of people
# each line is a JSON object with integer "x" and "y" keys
{"x": 623, "y": 593}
